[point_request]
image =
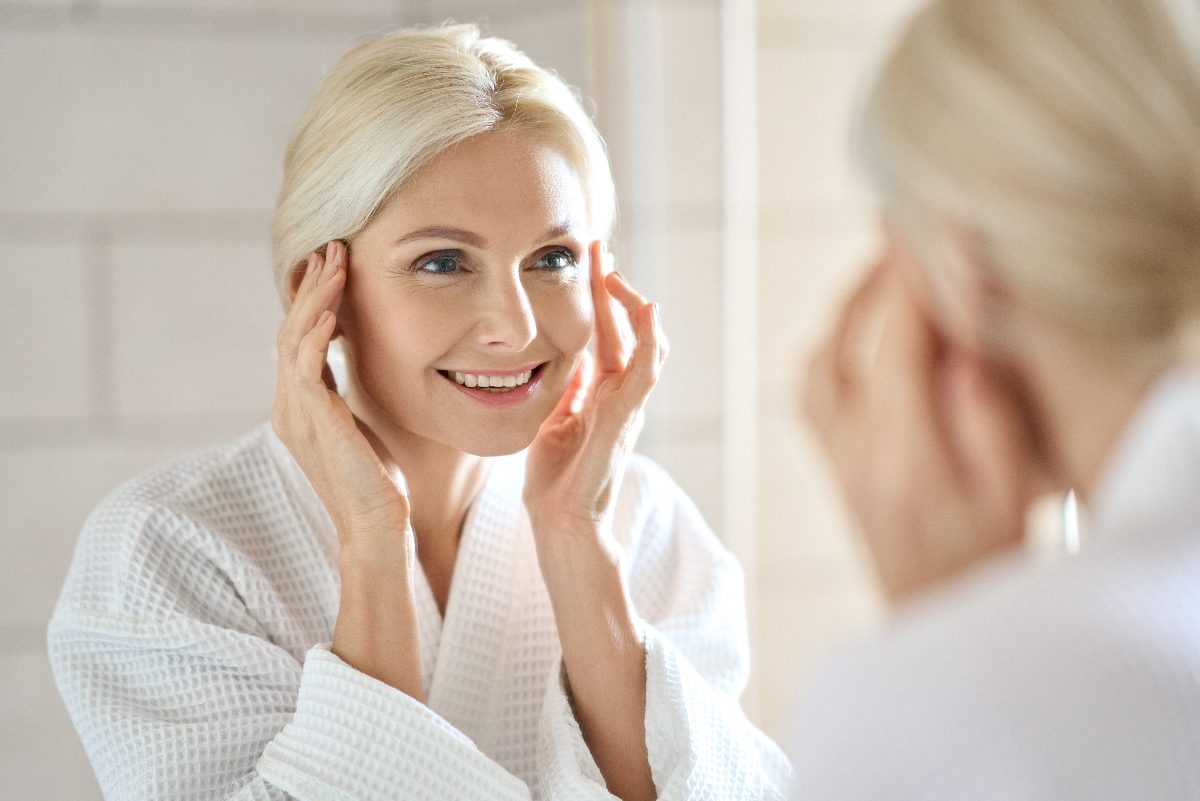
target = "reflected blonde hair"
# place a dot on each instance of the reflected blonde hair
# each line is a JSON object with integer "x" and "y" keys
{"x": 392, "y": 104}
{"x": 1065, "y": 135}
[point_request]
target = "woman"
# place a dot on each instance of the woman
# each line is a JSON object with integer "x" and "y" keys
{"x": 372, "y": 597}
{"x": 1030, "y": 320}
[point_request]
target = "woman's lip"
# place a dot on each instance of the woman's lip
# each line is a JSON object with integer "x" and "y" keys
{"x": 509, "y": 397}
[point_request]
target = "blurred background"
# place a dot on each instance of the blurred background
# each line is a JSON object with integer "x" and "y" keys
{"x": 140, "y": 152}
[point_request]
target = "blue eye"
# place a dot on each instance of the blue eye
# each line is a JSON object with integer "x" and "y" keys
{"x": 557, "y": 260}
{"x": 440, "y": 265}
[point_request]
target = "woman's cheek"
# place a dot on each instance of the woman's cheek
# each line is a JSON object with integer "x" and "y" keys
{"x": 578, "y": 318}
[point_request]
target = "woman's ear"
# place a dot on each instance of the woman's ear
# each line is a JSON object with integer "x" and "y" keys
{"x": 986, "y": 305}
{"x": 950, "y": 276}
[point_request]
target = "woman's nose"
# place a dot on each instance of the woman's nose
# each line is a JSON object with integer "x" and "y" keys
{"x": 506, "y": 320}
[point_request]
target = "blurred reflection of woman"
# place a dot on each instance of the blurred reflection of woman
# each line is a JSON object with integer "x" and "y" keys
{"x": 1029, "y": 320}
{"x": 383, "y": 594}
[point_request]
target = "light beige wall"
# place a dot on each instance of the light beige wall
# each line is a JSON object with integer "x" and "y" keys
{"x": 140, "y": 155}
{"x": 816, "y": 229}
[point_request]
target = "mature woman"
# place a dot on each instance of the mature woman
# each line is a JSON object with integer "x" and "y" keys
{"x": 1029, "y": 320}
{"x": 372, "y": 597}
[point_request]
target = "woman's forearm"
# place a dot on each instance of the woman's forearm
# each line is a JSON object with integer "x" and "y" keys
{"x": 604, "y": 658}
{"x": 376, "y": 630}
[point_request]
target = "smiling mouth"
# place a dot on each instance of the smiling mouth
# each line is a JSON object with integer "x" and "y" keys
{"x": 497, "y": 384}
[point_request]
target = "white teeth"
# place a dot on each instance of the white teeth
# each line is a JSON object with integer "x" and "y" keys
{"x": 490, "y": 381}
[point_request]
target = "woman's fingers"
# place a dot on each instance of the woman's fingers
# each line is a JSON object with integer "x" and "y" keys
{"x": 625, "y": 294}
{"x": 313, "y": 350}
{"x": 835, "y": 373}
{"x": 610, "y": 348}
{"x": 650, "y": 348}
{"x": 319, "y": 290}
{"x": 289, "y": 329}
{"x": 571, "y": 401}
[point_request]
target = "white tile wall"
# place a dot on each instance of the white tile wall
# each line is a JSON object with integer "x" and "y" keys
{"x": 690, "y": 105}
{"x": 805, "y": 10}
{"x": 679, "y": 266}
{"x": 42, "y": 757}
{"x": 194, "y": 328}
{"x": 666, "y": 142}
{"x": 807, "y": 103}
{"x": 376, "y": 6}
{"x": 46, "y": 495}
{"x": 551, "y": 32}
{"x": 805, "y": 528}
{"x": 116, "y": 123}
{"x": 45, "y": 330}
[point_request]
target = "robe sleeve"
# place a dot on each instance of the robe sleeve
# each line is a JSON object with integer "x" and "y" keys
{"x": 689, "y": 592}
{"x": 177, "y": 695}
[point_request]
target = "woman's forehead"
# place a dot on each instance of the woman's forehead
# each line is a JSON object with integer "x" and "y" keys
{"x": 497, "y": 182}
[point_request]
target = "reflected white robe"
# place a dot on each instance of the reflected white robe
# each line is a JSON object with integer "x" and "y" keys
{"x": 190, "y": 644}
{"x": 1072, "y": 681}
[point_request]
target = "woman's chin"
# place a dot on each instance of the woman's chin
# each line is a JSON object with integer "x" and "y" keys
{"x": 502, "y": 446}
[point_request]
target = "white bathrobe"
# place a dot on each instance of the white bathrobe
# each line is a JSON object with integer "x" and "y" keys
{"x": 1072, "y": 681}
{"x": 191, "y": 646}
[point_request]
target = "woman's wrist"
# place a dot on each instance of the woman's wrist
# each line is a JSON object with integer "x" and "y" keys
{"x": 577, "y": 552}
{"x": 584, "y": 572}
{"x": 377, "y": 628}
{"x": 376, "y": 546}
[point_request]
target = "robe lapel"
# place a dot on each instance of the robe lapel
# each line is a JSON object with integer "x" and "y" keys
{"x": 429, "y": 620}
{"x": 470, "y": 664}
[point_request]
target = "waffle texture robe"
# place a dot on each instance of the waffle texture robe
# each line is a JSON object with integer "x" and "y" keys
{"x": 1075, "y": 680}
{"x": 191, "y": 647}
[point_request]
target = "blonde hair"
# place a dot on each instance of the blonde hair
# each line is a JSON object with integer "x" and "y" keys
{"x": 1065, "y": 136}
{"x": 394, "y": 103}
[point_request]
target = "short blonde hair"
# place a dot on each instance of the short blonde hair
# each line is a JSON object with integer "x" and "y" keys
{"x": 392, "y": 104}
{"x": 1065, "y": 135}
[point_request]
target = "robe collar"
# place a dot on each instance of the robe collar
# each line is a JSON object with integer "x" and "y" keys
{"x": 495, "y": 593}
{"x": 1150, "y": 487}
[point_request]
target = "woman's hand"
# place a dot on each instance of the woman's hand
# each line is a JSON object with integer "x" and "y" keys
{"x": 931, "y": 448}
{"x": 337, "y": 452}
{"x": 575, "y": 463}
{"x": 376, "y": 629}
{"x": 573, "y": 473}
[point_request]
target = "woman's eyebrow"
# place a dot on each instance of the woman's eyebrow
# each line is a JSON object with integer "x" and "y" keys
{"x": 443, "y": 232}
{"x": 568, "y": 228}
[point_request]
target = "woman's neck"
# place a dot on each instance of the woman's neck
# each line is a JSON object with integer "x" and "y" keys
{"x": 1083, "y": 395}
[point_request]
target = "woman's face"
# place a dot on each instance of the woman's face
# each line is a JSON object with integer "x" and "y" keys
{"x": 472, "y": 273}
